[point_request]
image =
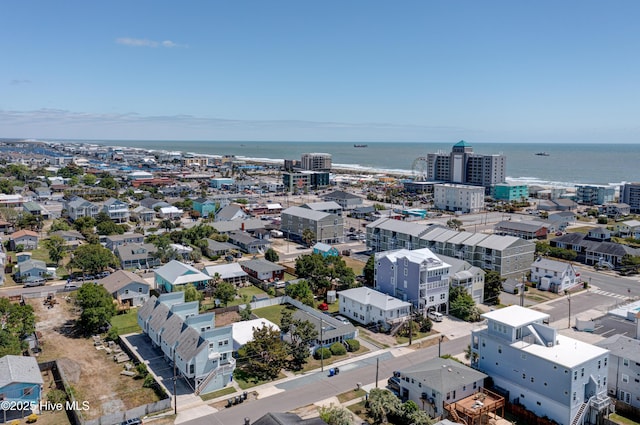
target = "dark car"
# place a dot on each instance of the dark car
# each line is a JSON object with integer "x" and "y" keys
{"x": 134, "y": 421}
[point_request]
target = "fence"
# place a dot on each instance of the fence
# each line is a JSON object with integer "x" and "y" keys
{"x": 75, "y": 416}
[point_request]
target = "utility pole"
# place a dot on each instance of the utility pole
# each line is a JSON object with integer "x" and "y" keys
{"x": 175, "y": 394}
{"x": 569, "y": 299}
{"x": 321, "y": 346}
{"x": 377, "y": 369}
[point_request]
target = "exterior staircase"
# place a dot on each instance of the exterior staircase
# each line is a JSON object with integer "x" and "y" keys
{"x": 577, "y": 419}
{"x": 394, "y": 330}
{"x": 454, "y": 415}
{"x": 226, "y": 368}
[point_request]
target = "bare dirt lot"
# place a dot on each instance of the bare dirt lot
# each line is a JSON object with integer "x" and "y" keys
{"x": 92, "y": 374}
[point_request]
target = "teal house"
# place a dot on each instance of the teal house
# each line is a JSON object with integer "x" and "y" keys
{"x": 174, "y": 274}
{"x": 510, "y": 192}
{"x": 325, "y": 250}
{"x": 20, "y": 381}
{"x": 205, "y": 207}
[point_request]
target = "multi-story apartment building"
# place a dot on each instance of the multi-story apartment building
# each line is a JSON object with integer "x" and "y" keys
{"x": 328, "y": 228}
{"x": 464, "y": 166}
{"x": 458, "y": 197}
{"x": 630, "y": 195}
{"x": 550, "y": 374}
{"x": 298, "y": 181}
{"x": 316, "y": 161}
{"x": 201, "y": 352}
{"x": 510, "y": 192}
{"x": 595, "y": 194}
{"x": 417, "y": 276}
{"x": 508, "y": 255}
{"x": 624, "y": 369}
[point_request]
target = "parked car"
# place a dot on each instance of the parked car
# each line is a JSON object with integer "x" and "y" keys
{"x": 35, "y": 282}
{"x": 71, "y": 286}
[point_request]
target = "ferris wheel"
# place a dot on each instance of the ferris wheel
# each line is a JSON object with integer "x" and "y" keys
{"x": 419, "y": 168}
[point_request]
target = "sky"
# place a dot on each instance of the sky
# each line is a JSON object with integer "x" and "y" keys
{"x": 331, "y": 70}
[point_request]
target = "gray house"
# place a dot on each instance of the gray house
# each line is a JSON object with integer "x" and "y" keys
{"x": 247, "y": 243}
{"x": 126, "y": 287}
{"x": 624, "y": 368}
{"x": 438, "y": 381}
{"x": 78, "y": 207}
{"x": 137, "y": 256}
{"x": 116, "y": 209}
{"x": 346, "y": 200}
{"x": 113, "y": 241}
{"x": 27, "y": 238}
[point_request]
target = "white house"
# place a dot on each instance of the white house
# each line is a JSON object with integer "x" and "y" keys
{"x": 554, "y": 276}
{"x": 365, "y": 305}
{"x": 549, "y": 374}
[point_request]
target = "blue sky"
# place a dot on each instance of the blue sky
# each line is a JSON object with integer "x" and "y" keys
{"x": 432, "y": 71}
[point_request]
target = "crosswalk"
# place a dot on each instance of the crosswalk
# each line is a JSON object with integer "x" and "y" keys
{"x": 609, "y": 294}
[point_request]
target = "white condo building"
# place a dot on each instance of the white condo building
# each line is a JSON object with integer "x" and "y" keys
{"x": 458, "y": 197}
{"x": 549, "y": 374}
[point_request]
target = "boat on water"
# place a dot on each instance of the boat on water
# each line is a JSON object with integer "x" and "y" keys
{"x": 360, "y": 146}
{"x": 542, "y": 153}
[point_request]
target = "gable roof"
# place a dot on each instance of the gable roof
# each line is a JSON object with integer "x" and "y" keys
{"x": 179, "y": 273}
{"x": 226, "y": 271}
{"x": 444, "y": 375}
{"x": 374, "y": 298}
{"x": 261, "y": 265}
{"x": 305, "y": 213}
{"x": 273, "y": 418}
{"x": 119, "y": 279}
{"x": 622, "y": 346}
{"x": 340, "y": 194}
{"x": 22, "y": 233}
{"x": 322, "y": 206}
{"x": 15, "y": 369}
{"x": 549, "y": 264}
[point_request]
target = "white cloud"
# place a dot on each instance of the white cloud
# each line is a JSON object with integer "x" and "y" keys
{"x": 143, "y": 42}
{"x": 18, "y": 82}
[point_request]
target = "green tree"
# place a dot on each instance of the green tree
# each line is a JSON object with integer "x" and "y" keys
{"x": 97, "y": 306}
{"x": 7, "y": 186}
{"x": 461, "y": 304}
{"x": 93, "y": 258}
{"x": 266, "y": 353}
{"x": 29, "y": 221}
{"x": 492, "y": 287}
{"x": 308, "y": 236}
{"x": 300, "y": 291}
{"x": 59, "y": 224}
{"x": 369, "y": 270}
{"x": 89, "y": 179}
{"x": 109, "y": 228}
{"x": 271, "y": 255}
{"x": 108, "y": 182}
{"x": 314, "y": 270}
{"x": 225, "y": 292}
{"x": 335, "y": 415}
{"x": 70, "y": 170}
{"x": 191, "y": 293}
{"x": 454, "y": 224}
{"x": 19, "y": 172}
{"x": 245, "y": 314}
{"x": 302, "y": 333}
{"x": 56, "y": 247}
{"x": 84, "y": 225}
{"x": 18, "y": 321}
{"x": 382, "y": 404}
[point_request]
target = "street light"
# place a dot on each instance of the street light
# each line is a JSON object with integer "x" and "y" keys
{"x": 439, "y": 345}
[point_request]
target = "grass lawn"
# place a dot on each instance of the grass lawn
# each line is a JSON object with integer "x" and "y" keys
{"x": 313, "y": 364}
{"x": 356, "y": 265}
{"x": 249, "y": 291}
{"x": 288, "y": 276}
{"x": 219, "y": 393}
{"x": 246, "y": 381}
{"x": 126, "y": 323}
{"x": 273, "y": 313}
{"x": 374, "y": 342}
{"x": 360, "y": 410}
{"x": 417, "y": 335}
{"x": 621, "y": 419}
{"x": 350, "y": 395}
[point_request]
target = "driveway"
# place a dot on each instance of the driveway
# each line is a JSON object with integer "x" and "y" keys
{"x": 156, "y": 363}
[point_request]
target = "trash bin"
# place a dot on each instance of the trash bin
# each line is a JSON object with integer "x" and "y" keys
{"x": 332, "y": 372}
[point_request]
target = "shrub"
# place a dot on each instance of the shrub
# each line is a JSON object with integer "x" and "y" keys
{"x": 322, "y": 353}
{"x": 56, "y": 396}
{"x": 32, "y": 418}
{"x": 353, "y": 345}
{"x": 337, "y": 349}
{"x": 149, "y": 382}
{"x": 113, "y": 333}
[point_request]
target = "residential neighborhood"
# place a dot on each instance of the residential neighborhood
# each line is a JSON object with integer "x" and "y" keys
{"x": 200, "y": 283}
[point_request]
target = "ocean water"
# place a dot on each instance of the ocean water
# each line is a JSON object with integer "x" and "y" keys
{"x": 566, "y": 165}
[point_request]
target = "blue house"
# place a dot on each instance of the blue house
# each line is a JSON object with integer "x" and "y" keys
{"x": 174, "y": 274}
{"x": 325, "y": 250}
{"x": 20, "y": 381}
{"x": 202, "y": 352}
{"x": 204, "y": 206}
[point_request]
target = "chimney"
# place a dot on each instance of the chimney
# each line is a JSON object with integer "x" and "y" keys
{"x": 242, "y": 226}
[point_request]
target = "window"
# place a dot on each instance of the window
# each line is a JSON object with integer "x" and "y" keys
{"x": 575, "y": 375}
{"x": 574, "y": 396}
{"x": 599, "y": 364}
{"x": 443, "y": 296}
{"x": 523, "y": 356}
{"x": 27, "y": 391}
{"x": 524, "y": 376}
{"x": 625, "y": 362}
{"x": 192, "y": 369}
{"x": 582, "y": 372}
{"x": 499, "y": 348}
{"x": 625, "y": 378}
